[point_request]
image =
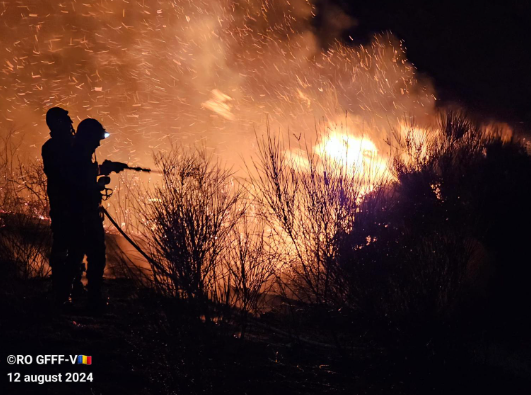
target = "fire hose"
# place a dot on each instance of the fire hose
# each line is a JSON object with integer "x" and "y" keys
{"x": 132, "y": 242}
{"x": 117, "y": 167}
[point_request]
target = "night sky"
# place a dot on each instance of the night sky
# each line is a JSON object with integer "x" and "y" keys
{"x": 478, "y": 54}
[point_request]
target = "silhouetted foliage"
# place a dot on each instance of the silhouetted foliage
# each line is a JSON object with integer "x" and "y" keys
{"x": 24, "y": 227}
{"x": 189, "y": 219}
{"x": 448, "y": 254}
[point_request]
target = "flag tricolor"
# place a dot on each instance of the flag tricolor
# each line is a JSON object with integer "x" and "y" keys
{"x": 84, "y": 360}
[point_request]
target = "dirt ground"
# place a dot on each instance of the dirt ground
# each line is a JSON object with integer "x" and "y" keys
{"x": 148, "y": 345}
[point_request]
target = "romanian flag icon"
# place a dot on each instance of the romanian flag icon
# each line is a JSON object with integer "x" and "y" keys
{"x": 84, "y": 360}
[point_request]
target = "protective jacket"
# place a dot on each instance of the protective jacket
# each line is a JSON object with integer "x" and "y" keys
{"x": 56, "y": 160}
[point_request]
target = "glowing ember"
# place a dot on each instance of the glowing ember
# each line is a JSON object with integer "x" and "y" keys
{"x": 210, "y": 70}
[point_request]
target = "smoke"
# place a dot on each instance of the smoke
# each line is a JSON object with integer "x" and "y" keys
{"x": 207, "y": 71}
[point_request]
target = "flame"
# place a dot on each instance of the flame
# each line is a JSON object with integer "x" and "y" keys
{"x": 188, "y": 71}
{"x": 355, "y": 153}
{"x": 358, "y": 154}
{"x": 344, "y": 151}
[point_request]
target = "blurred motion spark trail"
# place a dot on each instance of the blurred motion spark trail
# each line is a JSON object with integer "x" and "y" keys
{"x": 209, "y": 71}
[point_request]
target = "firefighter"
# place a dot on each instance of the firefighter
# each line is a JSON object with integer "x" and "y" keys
{"x": 56, "y": 160}
{"x": 85, "y": 201}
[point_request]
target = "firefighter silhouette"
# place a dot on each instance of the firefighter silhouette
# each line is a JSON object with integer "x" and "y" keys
{"x": 56, "y": 160}
{"x": 88, "y": 180}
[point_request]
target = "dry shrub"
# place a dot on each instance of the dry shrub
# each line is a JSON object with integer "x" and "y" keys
{"x": 308, "y": 204}
{"x": 24, "y": 226}
{"x": 189, "y": 219}
{"x": 436, "y": 234}
{"x": 249, "y": 266}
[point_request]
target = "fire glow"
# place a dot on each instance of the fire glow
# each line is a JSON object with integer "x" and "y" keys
{"x": 354, "y": 153}
{"x": 211, "y": 71}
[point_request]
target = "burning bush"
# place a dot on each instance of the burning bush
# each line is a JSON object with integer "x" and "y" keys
{"x": 308, "y": 201}
{"x": 444, "y": 247}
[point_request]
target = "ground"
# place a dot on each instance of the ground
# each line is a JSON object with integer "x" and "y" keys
{"x": 137, "y": 347}
{"x": 148, "y": 345}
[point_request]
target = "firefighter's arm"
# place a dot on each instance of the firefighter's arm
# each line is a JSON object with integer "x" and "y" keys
{"x": 84, "y": 177}
{"x": 107, "y": 167}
